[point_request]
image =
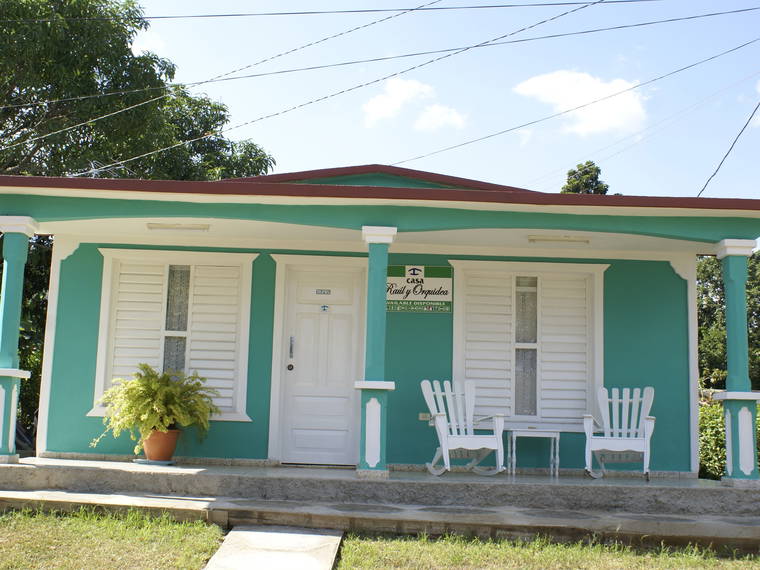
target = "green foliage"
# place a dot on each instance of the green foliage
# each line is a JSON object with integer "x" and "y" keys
{"x": 91, "y": 538}
{"x": 712, "y": 440}
{"x": 157, "y": 401}
{"x": 584, "y": 179}
{"x": 50, "y": 70}
{"x": 712, "y": 322}
{"x": 539, "y": 553}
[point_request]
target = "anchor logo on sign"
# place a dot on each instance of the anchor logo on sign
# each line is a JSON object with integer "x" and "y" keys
{"x": 324, "y": 308}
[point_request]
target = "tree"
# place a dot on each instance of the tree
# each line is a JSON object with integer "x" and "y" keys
{"x": 59, "y": 60}
{"x": 712, "y": 322}
{"x": 584, "y": 179}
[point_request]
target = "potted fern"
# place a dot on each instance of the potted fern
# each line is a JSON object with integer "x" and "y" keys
{"x": 152, "y": 405}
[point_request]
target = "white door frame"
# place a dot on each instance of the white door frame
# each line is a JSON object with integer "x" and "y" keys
{"x": 283, "y": 263}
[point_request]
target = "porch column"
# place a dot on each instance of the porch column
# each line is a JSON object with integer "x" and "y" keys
{"x": 375, "y": 388}
{"x": 16, "y": 232}
{"x": 739, "y": 402}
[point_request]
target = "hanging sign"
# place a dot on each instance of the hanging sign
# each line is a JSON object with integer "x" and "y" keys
{"x": 418, "y": 289}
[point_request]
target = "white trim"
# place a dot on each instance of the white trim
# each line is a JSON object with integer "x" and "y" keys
{"x": 729, "y": 445}
{"x": 374, "y": 385}
{"x": 747, "y": 460}
{"x": 12, "y": 422}
{"x": 688, "y": 271}
{"x": 400, "y": 244}
{"x": 378, "y": 234}
{"x": 372, "y": 435}
{"x": 282, "y": 263}
{"x": 63, "y": 247}
{"x": 743, "y": 247}
{"x": 112, "y": 257}
{"x": 15, "y": 373}
{"x": 18, "y": 225}
{"x": 754, "y": 395}
{"x": 596, "y": 284}
{"x": 2, "y": 410}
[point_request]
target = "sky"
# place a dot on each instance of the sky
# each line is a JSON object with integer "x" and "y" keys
{"x": 664, "y": 138}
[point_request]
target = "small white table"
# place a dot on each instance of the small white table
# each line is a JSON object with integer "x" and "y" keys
{"x": 553, "y": 437}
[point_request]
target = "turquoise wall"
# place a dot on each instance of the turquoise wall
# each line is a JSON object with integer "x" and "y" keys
{"x": 645, "y": 336}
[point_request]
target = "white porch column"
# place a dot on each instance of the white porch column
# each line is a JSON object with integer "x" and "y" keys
{"x": 16, "y": 232}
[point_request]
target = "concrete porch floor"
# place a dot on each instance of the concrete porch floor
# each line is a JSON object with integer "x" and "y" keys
{"x": 568, "y": 508}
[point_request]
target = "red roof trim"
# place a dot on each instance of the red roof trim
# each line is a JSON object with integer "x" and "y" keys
{"x": 230, "y": 188}
{"x": 380, "y": 169}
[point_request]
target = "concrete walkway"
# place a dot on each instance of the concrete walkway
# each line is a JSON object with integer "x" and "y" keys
{"x": 741, "y": 532}
{"x": 277, "y": 548}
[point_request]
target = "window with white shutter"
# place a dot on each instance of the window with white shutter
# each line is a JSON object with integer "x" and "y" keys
{"x": 530, "y": 336}
{"x": 187, "y": 311}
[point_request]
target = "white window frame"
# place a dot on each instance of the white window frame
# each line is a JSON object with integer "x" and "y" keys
{"x": 595, "y": 307}
{"x": 112, "y": 257}
{"x": 527, "y": 345}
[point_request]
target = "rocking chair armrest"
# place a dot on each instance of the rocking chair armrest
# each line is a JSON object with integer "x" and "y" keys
{"x": 648, "y": 426}
{"x": 588, "y": 424}
{"x": 498, "y": 422}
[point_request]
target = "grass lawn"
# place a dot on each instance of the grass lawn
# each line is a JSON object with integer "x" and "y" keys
{"x": 458, "y": 552}
{"x": 85, "y": 539}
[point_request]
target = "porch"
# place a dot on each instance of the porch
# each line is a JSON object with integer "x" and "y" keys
{"x": 569, "y": 507}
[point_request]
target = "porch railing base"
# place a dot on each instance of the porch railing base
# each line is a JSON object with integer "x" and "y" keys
{"x": 372, "y": 473}
{"x": 740, "y": 483}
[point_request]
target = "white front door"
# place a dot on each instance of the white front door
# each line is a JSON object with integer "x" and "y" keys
{"x": 322, "y": 347}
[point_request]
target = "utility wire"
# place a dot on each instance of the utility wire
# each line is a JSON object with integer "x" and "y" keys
{"x": 566, "y": 111}
{"x": 224, "y": 77}
{"x": 342, "y": 91}
{"x": 83, "y": 123}
{"x": 725, "y": 156}
{"x": 651, "y": 131}
{"x": 219, "y": 77}
{"x": 325, "y": 12}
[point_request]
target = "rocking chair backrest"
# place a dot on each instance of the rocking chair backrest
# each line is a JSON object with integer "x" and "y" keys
{"x": 459, "y": 407}
{"x": 623, "y": 417}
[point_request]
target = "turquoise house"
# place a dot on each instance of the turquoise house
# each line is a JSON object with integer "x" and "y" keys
{"x": 316, "y": 302}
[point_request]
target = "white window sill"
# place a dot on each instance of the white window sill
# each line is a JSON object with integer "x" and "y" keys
{"x": 226, "y": 416}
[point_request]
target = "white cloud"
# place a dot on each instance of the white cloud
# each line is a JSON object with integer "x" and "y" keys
{"x": 148, "y": 40}
{"x": 437, "y": 116}
{"x": 397, "y": 92}
{"x": 566, "y": 89}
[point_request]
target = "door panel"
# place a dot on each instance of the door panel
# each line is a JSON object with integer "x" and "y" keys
{"x": 321, "y": 358}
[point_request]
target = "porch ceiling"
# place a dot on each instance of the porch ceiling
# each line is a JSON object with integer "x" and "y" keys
{"x": 207, "y": 232}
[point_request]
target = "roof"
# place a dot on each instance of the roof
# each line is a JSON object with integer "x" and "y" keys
{"x": 366, "y": 174}
{"x": 322, "y": 184}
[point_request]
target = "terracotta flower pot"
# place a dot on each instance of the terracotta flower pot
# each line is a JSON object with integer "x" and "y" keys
{"x": 159, "y": 445}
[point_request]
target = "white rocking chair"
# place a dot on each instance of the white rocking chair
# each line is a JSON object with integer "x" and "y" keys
{"x": 627, "y": 429}
{"x": 453, "y": 418}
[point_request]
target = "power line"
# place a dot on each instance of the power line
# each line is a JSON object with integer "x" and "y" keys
{"x": 343, "y": 91}
{"x": 219, "y": 77}
{"x": 651, "y": 131}
{"x": 223, "y": 77}
{"x": 725, "y": 156}
{"x": 83, "y": 123}
{"x": 566, "y": 111}
{"x": 322, "y": 12}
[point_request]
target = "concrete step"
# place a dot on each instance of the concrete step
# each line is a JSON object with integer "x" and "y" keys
{"x": 276, "y": 548}
{"x": 736, "y": 532}
{"x": 675, "y": 497}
